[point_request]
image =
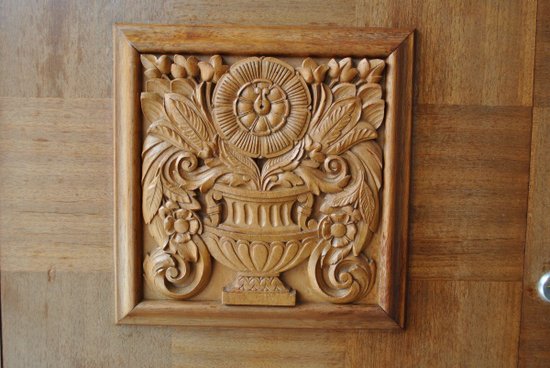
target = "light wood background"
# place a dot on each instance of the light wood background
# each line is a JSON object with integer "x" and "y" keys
{"x": 475, "y": 67}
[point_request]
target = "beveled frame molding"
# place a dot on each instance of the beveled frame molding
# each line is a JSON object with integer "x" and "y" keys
{"x": 393, "y": 45}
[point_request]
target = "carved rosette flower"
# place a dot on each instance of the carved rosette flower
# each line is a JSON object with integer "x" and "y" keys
{"x": 178, "y": 222}
{"x": 338, "y": 228}
{"x": 261, "y": 107}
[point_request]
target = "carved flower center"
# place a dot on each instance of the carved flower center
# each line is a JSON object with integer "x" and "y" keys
{"x": 181, "y": 226}
{"x": 261, "y": 107}
{"x": 338, "y": 230}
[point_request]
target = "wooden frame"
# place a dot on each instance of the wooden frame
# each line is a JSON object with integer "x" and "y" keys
{"x": 395, "y": 46}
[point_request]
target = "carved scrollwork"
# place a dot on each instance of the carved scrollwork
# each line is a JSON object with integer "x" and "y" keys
{"x": 261, "y": 165}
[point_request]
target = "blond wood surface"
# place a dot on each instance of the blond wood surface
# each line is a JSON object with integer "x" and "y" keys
{"x": 127, "y": 167}
{"x": 56, "y": 172}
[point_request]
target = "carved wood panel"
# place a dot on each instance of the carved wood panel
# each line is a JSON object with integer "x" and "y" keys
{"x": 265, "y": 179}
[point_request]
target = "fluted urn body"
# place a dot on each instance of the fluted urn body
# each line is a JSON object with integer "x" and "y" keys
{"x": 260, "y": 234}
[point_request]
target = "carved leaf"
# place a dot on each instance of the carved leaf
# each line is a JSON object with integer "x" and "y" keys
{"x": 373, "y": 113}
{"x": 342, "y": 114}
{"x": 163, "y": 129}
{"x": 322, "y": 100}
{"x": 286, "y": 179}
{"x": 184, "y": 87}
{"x": 179, "y": 194}
{"x": 370, "y": 154}
{"x": 158, "y": 85}
{"x": 239, "y": 163}
{"x": 155, "y": 153}
{"x": 344, "y": 90}
{"x": 318, "y": 181}
{"x": 156, "y": 229}
{"x": 334, "y": 255}
{"x": 377, "y": 67}
{"x": 153, "y": 107}
{"x": 346, "y": 197}
{"x": 285, "y": 162}
{"x": 189, "y": 251}
{"x": 362, "y": 132}
{"x": 188, "y": 120}
{"x": 148, "y": 61}
{"x": 369, "y": 92}
{"x": 366, "y": 203}
{"x": 205, "y": 176}
{"x": 152, "y": 197}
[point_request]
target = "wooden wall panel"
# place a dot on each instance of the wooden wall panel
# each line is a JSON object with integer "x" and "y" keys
{"x": 474, "y": 82}
{"x": 542, "y": 66}
{"x": 60, "y": 152}
{"x": 450, "y": 324}
{"x": 67, "y": 321}
{"x": 469, "y": 192}
{"x": 535, "y": 322}
{"x": 471, "y": 323}
{"x": 469, "y": 188}
{"x": 467, "y": 52}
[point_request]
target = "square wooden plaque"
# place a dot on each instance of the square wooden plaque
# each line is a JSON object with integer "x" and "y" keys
{"x": 317, "y": 117}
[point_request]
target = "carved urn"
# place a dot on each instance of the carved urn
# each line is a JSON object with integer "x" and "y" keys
{"x": 262, "y": 166}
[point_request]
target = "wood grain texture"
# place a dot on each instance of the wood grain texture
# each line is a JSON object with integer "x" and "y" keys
{"x": 475, "y": 231}
{"x": 472, "y": 324}
{"x": 68, "y": 322}
{"x": 469, "y": 191}
{"x": 535, "y": 317}
{"x": 475, "y": 324}
{"x": 60, "y": 151}
{"x": 172, "y": 137}
{"x": 127, "y": 134}
{"x": 264, "y": 40}
{"x": 467, "y": 53}
{"x": 541, "y": 91}
{"x": 455, "y": 45}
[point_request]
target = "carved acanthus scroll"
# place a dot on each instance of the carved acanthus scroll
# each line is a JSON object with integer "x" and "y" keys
{"x": 262, "y": 166}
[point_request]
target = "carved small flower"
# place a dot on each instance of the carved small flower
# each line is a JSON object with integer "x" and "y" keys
{"x": 212, "y": 71}
{"x": 338, "y": 228}
{"x": 155, "y": 67}
{"x": 347, "y": 71}
{"x": 371, "y": 70}
{"x": 181, "y": 222}
{"x": 364, "y": 68}
{"x": 311, "y": 72}
{"x": 343, "y": 70}
{"x": 183, "y": 68}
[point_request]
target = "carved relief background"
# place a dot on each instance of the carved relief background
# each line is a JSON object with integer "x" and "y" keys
{"x": 262, "y": 166}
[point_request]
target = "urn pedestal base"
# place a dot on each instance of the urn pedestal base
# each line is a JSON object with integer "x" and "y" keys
{"x": 258, "y": 290}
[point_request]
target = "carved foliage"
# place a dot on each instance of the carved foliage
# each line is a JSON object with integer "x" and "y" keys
{"x": 233, "y": 153}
